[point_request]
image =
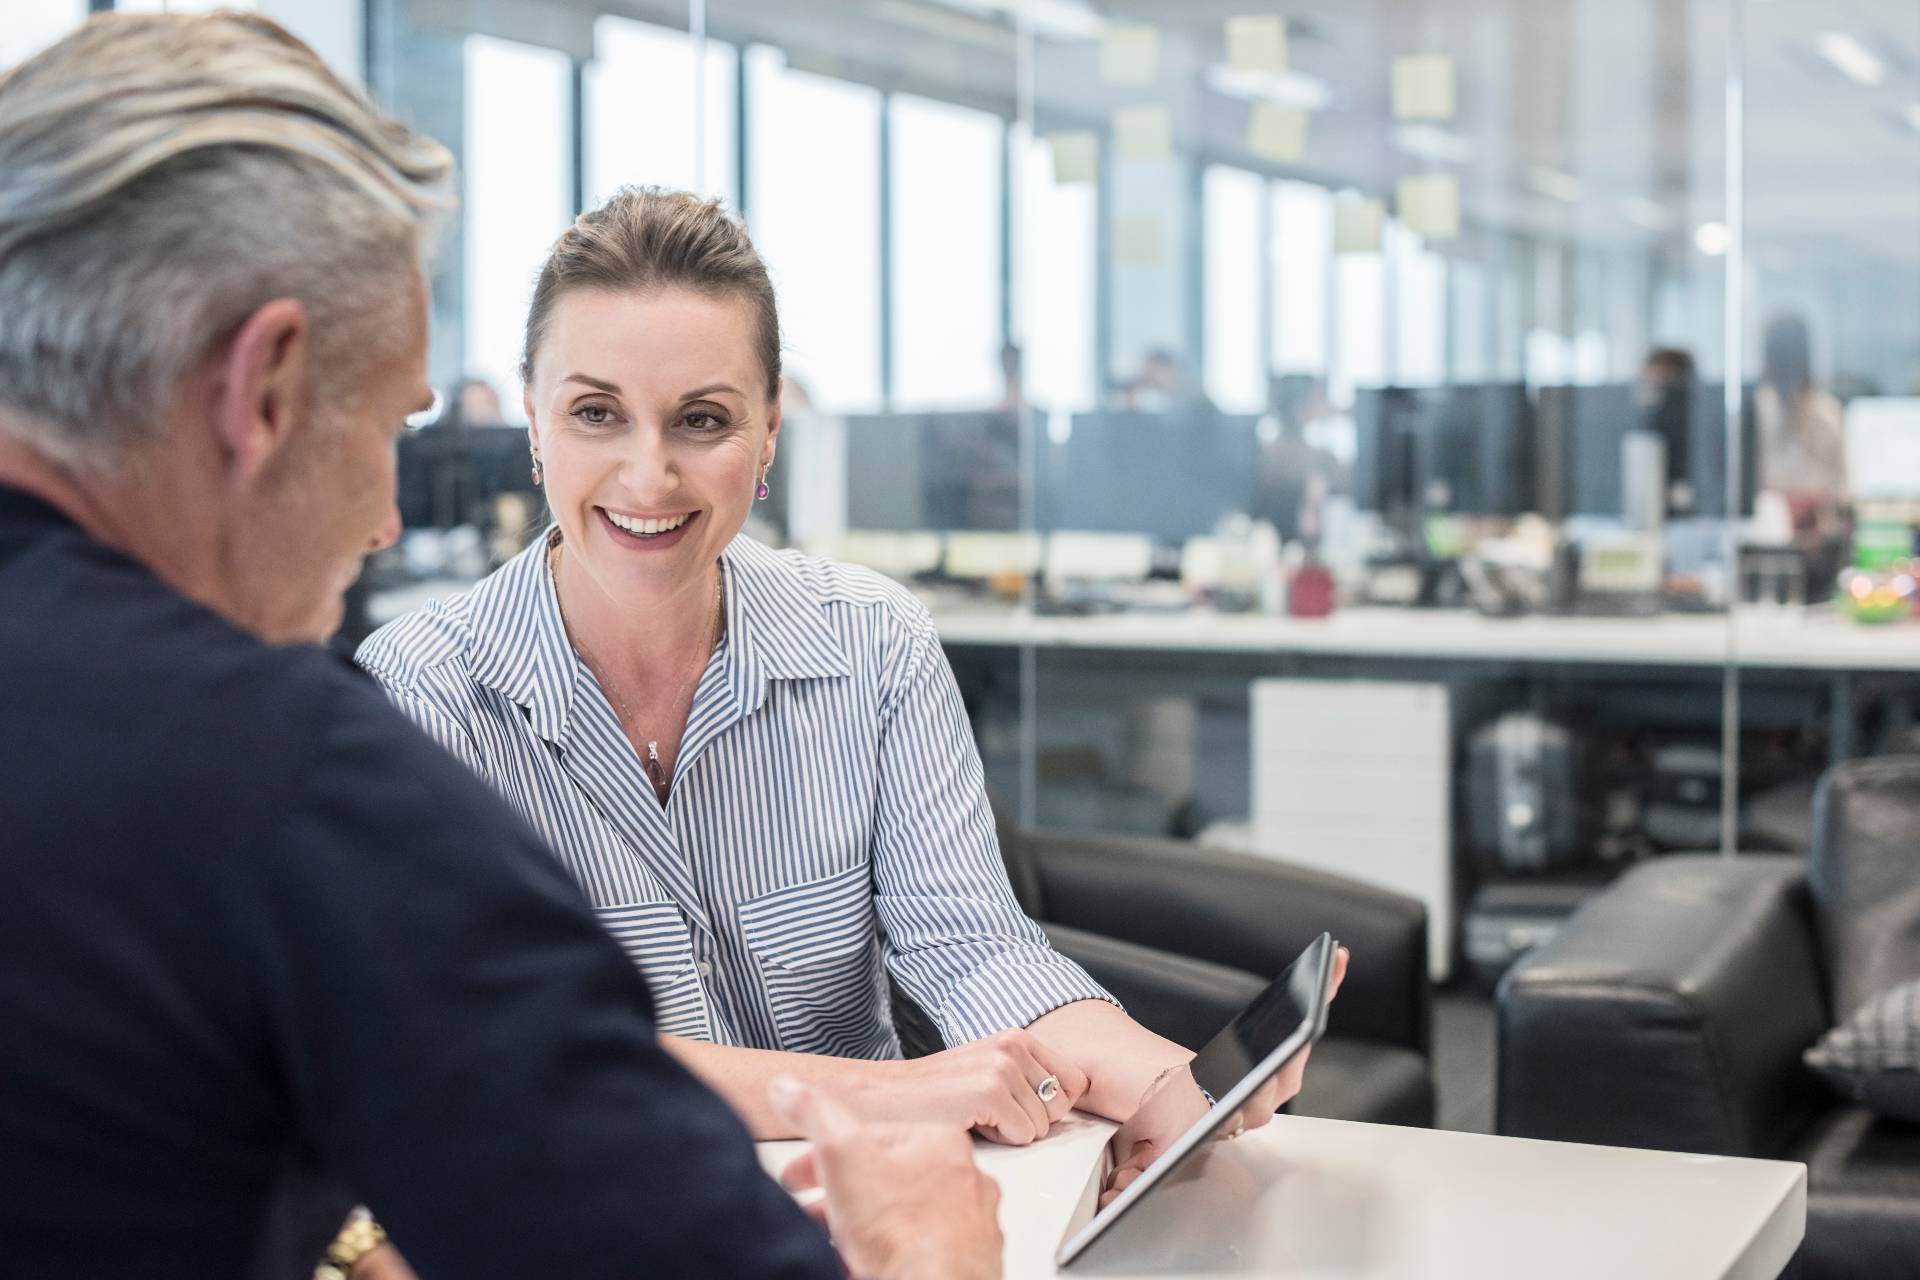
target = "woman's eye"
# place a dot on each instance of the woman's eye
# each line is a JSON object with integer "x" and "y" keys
{"x": 594, "y": 415}
{"x": 700, "y": 421}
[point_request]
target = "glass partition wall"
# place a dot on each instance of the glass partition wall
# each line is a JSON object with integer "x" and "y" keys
{"x": 1449, "y": 441}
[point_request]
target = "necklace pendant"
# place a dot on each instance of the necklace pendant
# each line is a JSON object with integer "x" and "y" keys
{"x": 656, "y": 773}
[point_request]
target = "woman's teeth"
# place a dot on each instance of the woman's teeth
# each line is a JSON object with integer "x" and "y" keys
{"x": 648, "y": 527}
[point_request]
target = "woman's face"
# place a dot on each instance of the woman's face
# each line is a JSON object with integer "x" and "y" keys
{"x": 651, "y": 418}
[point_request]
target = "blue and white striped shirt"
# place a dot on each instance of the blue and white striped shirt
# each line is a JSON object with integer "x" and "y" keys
{"x": 826, "y": 783}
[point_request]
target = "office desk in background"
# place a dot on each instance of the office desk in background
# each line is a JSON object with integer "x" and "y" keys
{"x": 1321, "y": 1199}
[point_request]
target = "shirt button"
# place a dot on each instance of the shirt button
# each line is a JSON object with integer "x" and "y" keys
{"x": 704, "y": 969}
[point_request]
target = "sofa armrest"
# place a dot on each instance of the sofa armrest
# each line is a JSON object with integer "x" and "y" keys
{"x": 1187, "y": 1001}
{"x": 1248, "y": 913}
{"x": 1670, "y": 1012}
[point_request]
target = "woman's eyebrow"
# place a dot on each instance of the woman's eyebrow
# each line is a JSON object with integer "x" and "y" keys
{"x": 698, "y": 392}
{"x": 595, "y": 383}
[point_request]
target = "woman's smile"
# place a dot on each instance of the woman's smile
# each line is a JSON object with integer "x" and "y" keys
{"x": 646, "y": 533}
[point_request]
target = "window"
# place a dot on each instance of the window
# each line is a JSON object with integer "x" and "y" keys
{"x": 658, "y": 116}
{"x": 1419, "y": 284}
{"x": 31, "y": 27}
{"x": 518, "y": 195}
{"x": 813, "y": 201}
{"x": 1302, "y": 256}
{"x": 1055, "y": 240}
{"x": 944, "y": 163}
{"x": 1360, "y": 358}
{"x": 1236, "y": 375}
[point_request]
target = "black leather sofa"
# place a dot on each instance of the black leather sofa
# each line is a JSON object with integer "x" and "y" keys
{"x": 1672, "y": 1012}
{"x": 1185, "y": 935}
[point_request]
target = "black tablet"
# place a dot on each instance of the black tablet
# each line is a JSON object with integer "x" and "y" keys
{"x": 1278, "y": 1025}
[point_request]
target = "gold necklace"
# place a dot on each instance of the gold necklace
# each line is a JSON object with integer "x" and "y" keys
{"x": 655, "y": 770}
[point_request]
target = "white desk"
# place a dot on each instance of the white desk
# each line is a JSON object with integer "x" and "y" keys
{"x": 1326, "y": 1198}
{"x": 1815, "y": 640}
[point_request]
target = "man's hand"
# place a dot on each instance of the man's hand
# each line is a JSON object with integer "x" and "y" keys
{"x": 1175, "y": 1102}
{"x": 903, "y": 1201}
{"x": 991, "y": 1086}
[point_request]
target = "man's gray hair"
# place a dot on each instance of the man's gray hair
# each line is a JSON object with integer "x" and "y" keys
{"x": 163, "y": 177}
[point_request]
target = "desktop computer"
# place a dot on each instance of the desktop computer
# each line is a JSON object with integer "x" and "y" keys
{"x": 1168, "y": 475}
{"x": 1466, "y": 450}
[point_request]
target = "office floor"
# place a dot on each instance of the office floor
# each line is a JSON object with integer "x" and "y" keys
{"x": 1463, "y": 1058}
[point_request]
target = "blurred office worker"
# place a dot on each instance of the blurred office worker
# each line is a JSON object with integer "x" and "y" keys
{"x": 265, "y": 949}
{"x": 756, "y": 763}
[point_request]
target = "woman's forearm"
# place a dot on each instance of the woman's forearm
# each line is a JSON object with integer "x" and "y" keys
{"x": 1121, "y": 1057}
{"x": 740, "y": 1077}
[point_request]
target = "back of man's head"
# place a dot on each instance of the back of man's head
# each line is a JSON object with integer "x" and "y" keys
{"x": 163, "y": 177}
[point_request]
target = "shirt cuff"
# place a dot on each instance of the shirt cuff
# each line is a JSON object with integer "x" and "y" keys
{"x": 1012, "y": 990}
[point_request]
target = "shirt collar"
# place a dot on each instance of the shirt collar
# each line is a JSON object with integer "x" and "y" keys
{"x": 776, "y": 630}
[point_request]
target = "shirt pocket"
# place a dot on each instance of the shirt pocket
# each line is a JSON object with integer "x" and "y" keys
{"x": 817, "y": 949}
{"x": 654, "y": 936}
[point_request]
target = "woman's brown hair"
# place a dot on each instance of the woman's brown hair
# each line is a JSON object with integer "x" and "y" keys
{"x": 646, "y": 239}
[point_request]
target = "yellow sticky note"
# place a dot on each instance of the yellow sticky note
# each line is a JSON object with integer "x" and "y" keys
{"x": 1430, "y": 205}
{"x": 1130, "y": 54}
{"x": 1277, "y": 132}
{"x": 1257, "y": 43}
{"x": 1357, "y": 224}
{"x": 1076, "y": 156}
{"x": 1143, "y": 134}
{"x": 1423, "y": 87}
{"x": 1138, "y": 242}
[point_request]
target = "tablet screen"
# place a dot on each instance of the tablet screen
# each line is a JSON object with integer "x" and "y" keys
{"x": 1279, "y": 1023}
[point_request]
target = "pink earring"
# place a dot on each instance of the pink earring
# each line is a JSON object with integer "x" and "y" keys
{"x": 536, "y": 470}
{"x": 762, "y": 492}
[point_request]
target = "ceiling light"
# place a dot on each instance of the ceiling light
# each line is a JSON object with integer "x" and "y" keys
{"x": 1293, "y": 89}
{"x": 1055, "y": 19}
{"x": 1563, "y": 187}
{"x": 1912, "y": 114}
{"x": 1431, "y": 142}
{"x": 1712, "y": 239}
{"x": 1854, "y": 60}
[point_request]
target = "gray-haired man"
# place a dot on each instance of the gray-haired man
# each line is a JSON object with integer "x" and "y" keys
{"x": 263, "y": 948}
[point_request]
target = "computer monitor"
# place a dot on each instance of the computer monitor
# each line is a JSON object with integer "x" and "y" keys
{"x": 1697, "y": 457}
{"x": 447, "y": 475}
{"x": 934, "y": 471}
{"x": 1483, "y": 457}
{"x": 1168, "y": 475}
{"x": 1583, "y": 431}
{"x": 1425, "y": 451}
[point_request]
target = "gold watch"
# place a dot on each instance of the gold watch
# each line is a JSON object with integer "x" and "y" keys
{"x": 360, "y": 1237}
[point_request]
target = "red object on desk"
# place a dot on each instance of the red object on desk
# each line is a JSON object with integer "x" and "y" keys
{"x": 1310, "y": 592}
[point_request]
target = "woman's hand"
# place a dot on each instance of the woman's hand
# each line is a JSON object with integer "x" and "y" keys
{"x": 1174, "y": 1102}
{"x": 991, "y": 1086}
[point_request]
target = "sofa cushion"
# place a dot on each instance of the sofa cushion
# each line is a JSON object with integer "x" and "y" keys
{"x": 1363, "y": 1080}
{"x": 1873, "y": 1057}
{"x": 1864, "y": 871}
{"x": 1863, "y": 1197}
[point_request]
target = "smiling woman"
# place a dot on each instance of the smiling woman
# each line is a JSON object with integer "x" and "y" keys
{"x": 756, "y": 764}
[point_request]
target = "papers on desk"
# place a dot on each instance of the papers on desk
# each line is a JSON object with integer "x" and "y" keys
{"x": 1105, "y": 557}
{"x": 989, "y": 555}
{"x": 898, "y": 555}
